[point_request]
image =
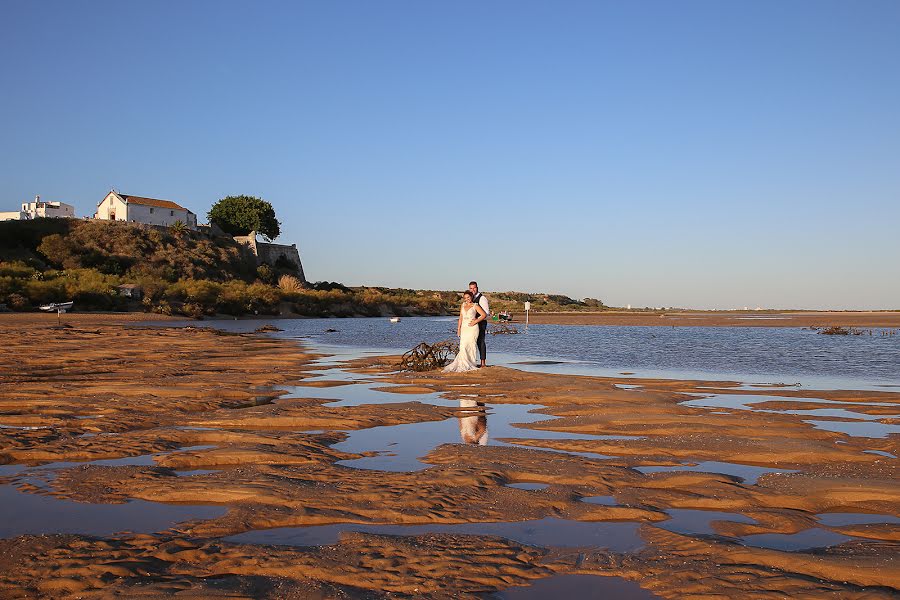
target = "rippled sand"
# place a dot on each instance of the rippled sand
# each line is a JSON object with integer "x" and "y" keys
{"x": 689, "y": 502}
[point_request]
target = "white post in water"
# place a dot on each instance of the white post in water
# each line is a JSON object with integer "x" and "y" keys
{"x": 527, "y": 308}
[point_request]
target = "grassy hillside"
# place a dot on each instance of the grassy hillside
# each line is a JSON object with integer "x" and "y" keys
{"x": 189, "y": 273}
{"x": 52, "y": 260}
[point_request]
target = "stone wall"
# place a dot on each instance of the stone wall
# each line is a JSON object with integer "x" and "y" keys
{"x": 268, "y": 254}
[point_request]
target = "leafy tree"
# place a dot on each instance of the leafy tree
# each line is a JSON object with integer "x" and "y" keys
{"x": 239, "y": 215}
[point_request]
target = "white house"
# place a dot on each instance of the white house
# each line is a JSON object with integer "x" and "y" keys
{"x": 150, "y": 211}
{"x": 13, "y": 215}
{"x": 38, "y": 209}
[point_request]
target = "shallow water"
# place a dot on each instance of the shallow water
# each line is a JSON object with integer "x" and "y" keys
{"x": 587, "y": 587}
{"x": 803, "y": 540}
{"x": 403, "y": 445}
{"x": 792, "y": 355}
{"x": 30, "y": 513}
{"x": 699, "y": 521}
{"x": 840, "y": 519}
{"x": 528, "y": 486}
{"x": 866, "y": 429}
{"x": 618, "y": 537}
{"x": 749, "y": 474}
{"x": 602, "y": 500}
{"x": 860, "y": 424}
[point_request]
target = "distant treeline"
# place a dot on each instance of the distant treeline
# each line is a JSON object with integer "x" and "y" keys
{"x": 184, "y": 272}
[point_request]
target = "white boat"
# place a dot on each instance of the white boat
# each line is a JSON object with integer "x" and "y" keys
{"x": 395, "y": 319}
{"x": 59, "y": 307}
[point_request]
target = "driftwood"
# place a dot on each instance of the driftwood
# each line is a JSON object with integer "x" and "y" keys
{"x": 502, "y": 329}
{"x": 426, "y": 357}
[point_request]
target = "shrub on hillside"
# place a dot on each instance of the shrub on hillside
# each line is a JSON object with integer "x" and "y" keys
{"x": 289, "y": 284}
{"x": 17, "y": 269}
{"x": 134, "y": 251}
{"x": 266, "y": 274}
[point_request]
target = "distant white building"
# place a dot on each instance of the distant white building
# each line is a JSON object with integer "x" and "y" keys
{"x": 13, "y": 215}
{"x": 39, "y": 209}
{"x": 137, "y": 209}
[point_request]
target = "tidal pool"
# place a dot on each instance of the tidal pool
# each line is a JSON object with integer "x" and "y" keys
{"x": 38, "y": 514}
{"x": 618, "y": 537}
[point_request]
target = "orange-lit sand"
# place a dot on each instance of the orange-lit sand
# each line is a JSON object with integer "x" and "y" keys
{"x": 160, "y": 389}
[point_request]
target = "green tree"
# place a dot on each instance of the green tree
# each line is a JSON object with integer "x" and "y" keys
{"x": 239, "y": 215}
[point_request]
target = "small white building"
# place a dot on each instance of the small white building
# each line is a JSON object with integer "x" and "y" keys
{"x": 13, "y": 215}
{"x": 38, "y": 210}
{"x": 137, "y": 209}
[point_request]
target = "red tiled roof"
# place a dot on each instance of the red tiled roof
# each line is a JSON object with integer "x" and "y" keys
{"x": 151, "y": 202}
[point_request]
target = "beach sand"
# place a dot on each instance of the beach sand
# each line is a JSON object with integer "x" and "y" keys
{"x": 688, "y": 497}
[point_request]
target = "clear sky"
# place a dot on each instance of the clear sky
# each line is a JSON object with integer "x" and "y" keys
{"x": 703, "y": 154}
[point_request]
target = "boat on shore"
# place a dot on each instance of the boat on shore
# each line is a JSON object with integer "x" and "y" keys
{"x": 60, "y": 307}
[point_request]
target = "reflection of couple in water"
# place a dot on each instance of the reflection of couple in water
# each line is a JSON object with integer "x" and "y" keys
{"x": 473, "y": 423}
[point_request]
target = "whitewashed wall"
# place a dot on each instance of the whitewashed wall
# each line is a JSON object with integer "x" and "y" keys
{"x": 153, "y": 215}
{"x": 112, "y": 204}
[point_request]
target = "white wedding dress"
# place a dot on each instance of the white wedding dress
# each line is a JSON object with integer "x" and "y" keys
{"x": 467, "y": 357}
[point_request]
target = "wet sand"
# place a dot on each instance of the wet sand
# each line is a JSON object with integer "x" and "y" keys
{"x": 889, "y": 319}
{"x": 607, "y": 481}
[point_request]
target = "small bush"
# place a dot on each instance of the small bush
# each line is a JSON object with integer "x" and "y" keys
{"x": 17, "y": 302}
{"x": 289, "y": 284}
{"x": 17, "y": 269}
{"x": 266, "y": 274}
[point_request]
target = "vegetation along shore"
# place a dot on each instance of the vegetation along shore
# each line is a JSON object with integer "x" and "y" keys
{"x": 126, "y": 267}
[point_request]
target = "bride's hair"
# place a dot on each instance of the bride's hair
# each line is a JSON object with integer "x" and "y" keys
{"x": 469, "y": 294}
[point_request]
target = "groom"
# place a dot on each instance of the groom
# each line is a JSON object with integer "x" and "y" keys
{"x": 482, "y": 301}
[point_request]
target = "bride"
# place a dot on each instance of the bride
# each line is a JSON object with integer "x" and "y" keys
{"x": 470, "y": 314}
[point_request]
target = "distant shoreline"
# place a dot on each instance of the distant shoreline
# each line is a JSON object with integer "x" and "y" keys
{"x": 861, "y": 319}
{"x": 858, "y": 319}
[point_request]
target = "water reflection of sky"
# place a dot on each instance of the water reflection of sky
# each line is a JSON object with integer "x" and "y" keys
{"x": 31, "y": 513}
{"x": 860, "y": 424}
{"x": 619, "y": 537}
{"x": 775, "y": 354}
{"x": 401, "y": 446}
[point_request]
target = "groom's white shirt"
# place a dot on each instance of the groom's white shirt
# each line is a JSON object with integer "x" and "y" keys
{"x": 483, "y": 303}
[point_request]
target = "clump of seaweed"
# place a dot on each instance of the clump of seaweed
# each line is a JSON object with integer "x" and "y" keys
{"x": 503, "y": 329}
{"x": 837, "y": 330}
{"x": 267, "y": 327}
{"x": 427, "y": 357}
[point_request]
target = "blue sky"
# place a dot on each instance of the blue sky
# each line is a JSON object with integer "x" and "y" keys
{"x": 702, "y": 154}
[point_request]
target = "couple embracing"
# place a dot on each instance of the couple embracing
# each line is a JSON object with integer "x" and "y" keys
{"x": 471, "y": 329}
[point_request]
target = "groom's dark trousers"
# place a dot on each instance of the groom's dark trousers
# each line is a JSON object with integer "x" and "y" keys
{"x": 482, "y": 346}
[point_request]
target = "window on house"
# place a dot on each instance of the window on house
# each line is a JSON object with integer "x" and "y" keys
{"x": 171, "y": 213}
{"x": 151, "y": 211}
